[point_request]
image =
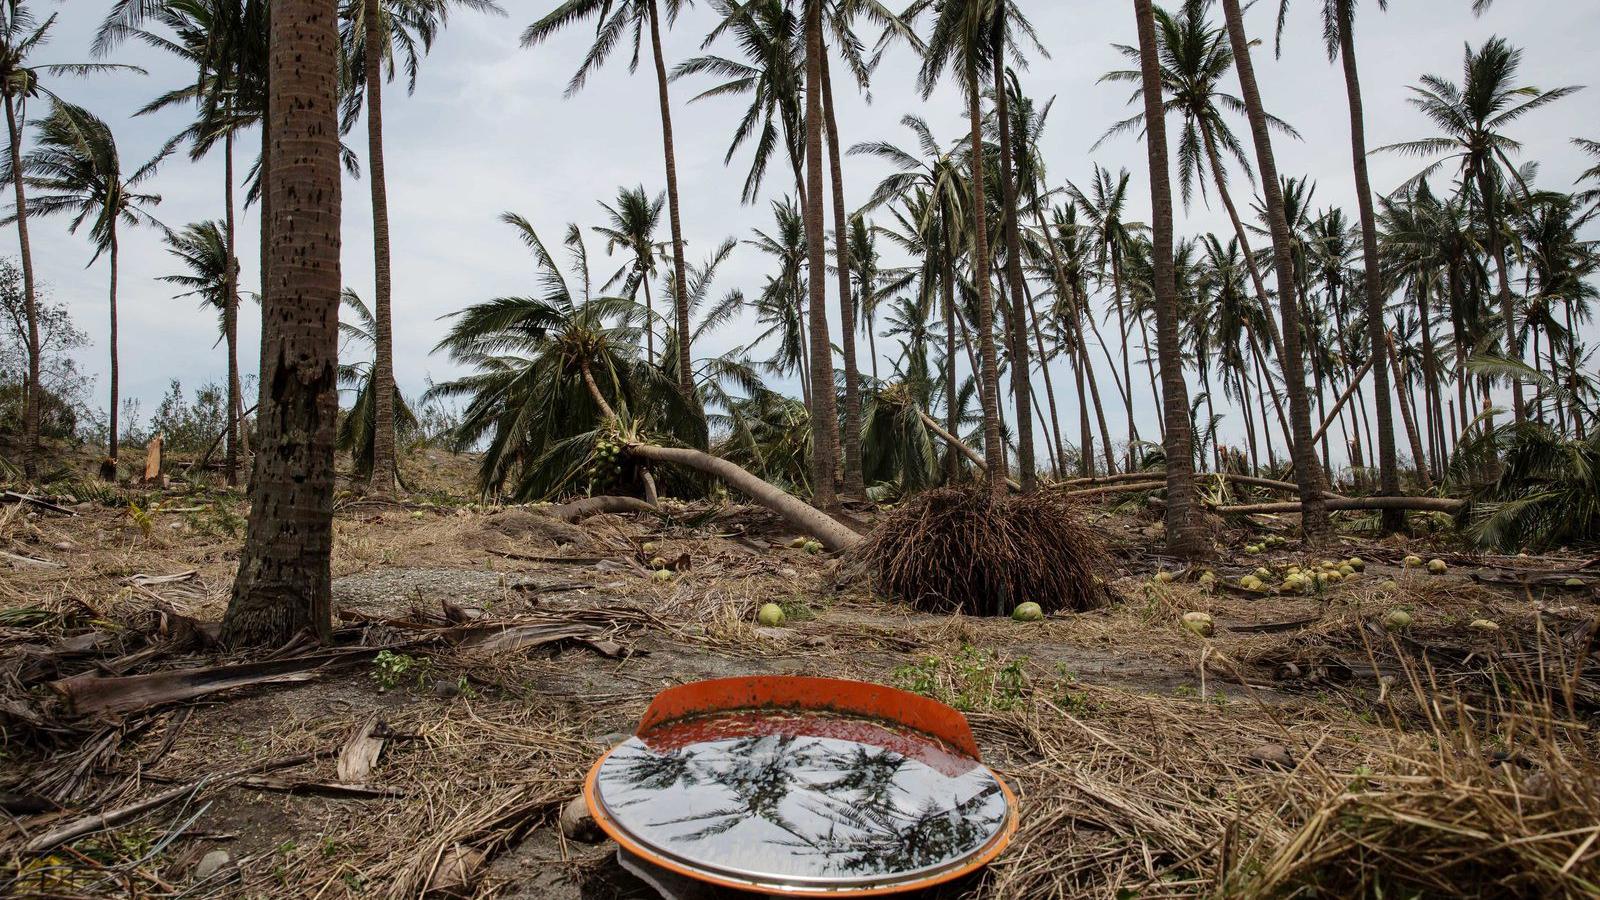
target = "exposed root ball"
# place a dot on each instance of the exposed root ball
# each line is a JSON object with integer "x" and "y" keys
{"x": 958, "y": 550}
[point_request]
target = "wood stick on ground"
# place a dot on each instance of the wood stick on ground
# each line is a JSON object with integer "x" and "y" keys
{"x": 1409, "y": 504}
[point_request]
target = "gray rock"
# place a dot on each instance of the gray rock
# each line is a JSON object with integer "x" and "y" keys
{"x": 211, "y": 864}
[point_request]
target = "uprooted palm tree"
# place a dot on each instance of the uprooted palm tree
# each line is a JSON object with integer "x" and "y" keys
{"x": 1529, "y": 488}
{"x": 358, "y": 431}
{"x": 568, "y": 349}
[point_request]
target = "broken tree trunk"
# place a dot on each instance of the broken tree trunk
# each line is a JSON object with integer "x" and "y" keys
{"x": 833, "y": 534}
{"x": 578, "y": 510}
{"x": 1333, "y": 414}
{"x": 960, "y": 446}
{"x": 1409, "y": 504}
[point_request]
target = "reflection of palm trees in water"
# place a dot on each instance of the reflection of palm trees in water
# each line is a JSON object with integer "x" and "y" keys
{"x": 852, "y": 809}
{"x": 760, "y": 773}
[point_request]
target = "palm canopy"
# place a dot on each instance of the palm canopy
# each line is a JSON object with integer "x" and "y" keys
{"x": 359, "y": 426}
{"x": 78, "y": 173}
{"x": 962, "y": 39}
{"x": 21, "y": 33}
{"x": 1472, "y": 116}
{"x": 1194, "y": 60}
{"x": 631, "y": 227}
{"x": 408, "y": 29}
{"x": 562, "y": 348}
{"x": 618, "y": 21}
{"x": 202, "y": 248}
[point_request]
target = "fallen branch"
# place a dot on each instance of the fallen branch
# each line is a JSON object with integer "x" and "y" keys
{"x": 30, "y": 500}
{"x": 1333, "y": 414}
{"x": 1409, "y": 504}
{"x": 833, "y": 534}
{"x": 960, "y": 446}
{"x": 90, "y": 694}
{"x": 578, "y": 510}
{"x": 30, "y": 561}
{"x": 1128, "y": 488}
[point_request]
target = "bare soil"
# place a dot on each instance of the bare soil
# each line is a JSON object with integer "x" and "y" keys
{"x": 1146, "y": 756}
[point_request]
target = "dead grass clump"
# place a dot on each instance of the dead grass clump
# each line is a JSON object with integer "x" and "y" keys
{"x": 523, "y": 525}
{"x": 959, "y": 550}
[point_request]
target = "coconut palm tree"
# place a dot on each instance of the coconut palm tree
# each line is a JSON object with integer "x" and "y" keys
{"x": 285, "y": 579}
{"x": 824, "y": 417}
{"x": 225, "y": 42}
{"x": 1184, "y": 536}
{"x": 768, "y": 33}
{"x": 616, "y": 19}
{"x": 1195, "y": 58}
{"x": 961, "y": 41}
{"x": 358, "y": 427}
{"x": 22, "y": 80}
{"x": 77, "y": 172}
{"x": 1472, "y": 117}
{"x": 780, "y": 306}
{"x": 1308, "y": 474}
{"x": 374, "y": 33}
{"x": 211, "y": 277}
{"x": 1104, "y": 207}
{"x": 631, "y": 227}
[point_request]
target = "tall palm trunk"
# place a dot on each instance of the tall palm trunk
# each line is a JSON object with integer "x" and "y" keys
{"x": 1508, "y": 308}
{"x": 824, "y": 416}
{"x": 1058, "y": 450}
{"x": 1127, "y": 369}
{"x": 1183, "y": 534}
{"x": 33, "y": 392}
{"x": 284, "y": 582}
{"x": 993, "y": 445}
{"x": 1021, "y": 373}
{"x": 1388, "y": 461}
{"x": 383, "y": 437}
{"x": 230, "y": 318}
{"x": 680, "y": 283}
{"x": 854, "y": 484}
{"x": 952, "y": 414}
{"x": 1308, "y": 474}
{"x": 1406, "y": 417}
{"x": 649, "y": 321}
{"x": 115, "y": 379}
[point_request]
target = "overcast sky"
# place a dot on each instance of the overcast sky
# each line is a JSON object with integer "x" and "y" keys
{"x": 488, "y": 131}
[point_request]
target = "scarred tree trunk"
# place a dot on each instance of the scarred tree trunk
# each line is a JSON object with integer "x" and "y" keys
{"x": 824, "y": 414}
{"x": 993, "y": 446}
{"x": 1027, "y": 467}
{"x": 1388, "y": 460}
{"x": 680, "y": 283}
{"x": 230, "y": 319}
{"x": 30, "y": 404}
{"x": 383, "y": 437}
{"x": 1184, "y": 538}
{"x": 1508, "y": 309}
{"x": 854, "y": 484}
{"x": 1314, "y": 522}
{"x": 285, "y": 580}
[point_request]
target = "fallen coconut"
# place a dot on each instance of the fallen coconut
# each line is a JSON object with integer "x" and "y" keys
{"x": 1483, "y": 625}
{"x": 1574, "y": 583}
{"x": 1164, "y": 578}
{"x": 1389, "y": 584}
{"x": 1200, "y": 623}
{"x": 1412, "y": 562}
{"x": 1437, "y": 566}
{"x": 770, "y": 615}
{"x": 1397, "y": 620}
{"x": 812, "y": 547}
{"x": 663, "y": 575}
{"x": 658, "y": 563}
{"x": 1027, "y": 612}
{"x": 798, "y": 543}
{"x": 1357, "y": 563}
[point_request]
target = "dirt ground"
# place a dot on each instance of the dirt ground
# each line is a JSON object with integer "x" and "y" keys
{"x": 1302, "y": 747}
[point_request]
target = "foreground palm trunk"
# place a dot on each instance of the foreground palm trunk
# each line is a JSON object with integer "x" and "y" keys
{"x": 285, "y": 580}
{"x": 680, "y": 283}
{"x": 1388, "y": 460}
{"x": 989, "y": 367}
{"x": 30, "y": 404}
{"x": 1308, "y": 473}
{"x": 230, "y": 322}
{"x": 1184, "y": 538}
{"x": 383, "y": 459}
{"x": 824, "y": 423}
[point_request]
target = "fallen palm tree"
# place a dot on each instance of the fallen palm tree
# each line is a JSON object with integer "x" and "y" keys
{"x": 960, "y": 550}
{"x": 1347, "y": 504}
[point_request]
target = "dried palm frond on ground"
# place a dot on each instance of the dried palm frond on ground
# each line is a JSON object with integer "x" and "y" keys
{"x": 960, "y": 550}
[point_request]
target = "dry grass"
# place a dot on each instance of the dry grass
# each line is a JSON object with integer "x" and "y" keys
{"x": 959, "y": 550}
